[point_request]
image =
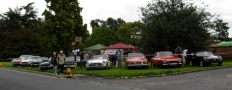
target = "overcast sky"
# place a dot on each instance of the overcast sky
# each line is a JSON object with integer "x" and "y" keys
{"x": 128, "y": 10}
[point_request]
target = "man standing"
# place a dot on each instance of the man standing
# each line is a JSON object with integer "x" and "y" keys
{"x": 61, "y": 59}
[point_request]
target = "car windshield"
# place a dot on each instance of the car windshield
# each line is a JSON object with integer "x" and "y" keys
{"x": 207, "y": 53}
{"x": 164, "y": 54}
{"x": 70, "y": 58}
{"x": 99, "y": 56}
{"x": 135, "y": 55}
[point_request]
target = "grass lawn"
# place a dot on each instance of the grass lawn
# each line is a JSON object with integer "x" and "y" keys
{"x": 124, "y": 73}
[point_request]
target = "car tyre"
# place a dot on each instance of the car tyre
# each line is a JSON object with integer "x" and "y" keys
{"x": 201, "y": 63}
{"x": 152, "y": 65}
{"x": 127, "y": 67}
{"x": 42, "y": 69}
{"x": 160, "y": 64}
{"x": 191, "y": 63}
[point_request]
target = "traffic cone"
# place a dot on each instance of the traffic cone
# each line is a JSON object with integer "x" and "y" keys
{"x": 69, "y": 74}
{"x": 0, "y": 65}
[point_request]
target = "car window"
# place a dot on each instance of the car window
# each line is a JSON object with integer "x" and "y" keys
{"x": 204, "y": 53}
{"x": 99, "y": 56}
{"x": 164, "y": 54}
{"x": 135, "y": 55}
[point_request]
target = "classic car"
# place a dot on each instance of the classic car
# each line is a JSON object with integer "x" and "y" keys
{"x": 36, "y": 61}
{"x": 165, "y": 58}
{"x": 97, "y": 62}
{"x": 45, "y": 65}
{"x": 27, "y": 61}
{"x": 202, "y": 58}
{"x": 17, "y": 61}
{"x": 136, "y": 60}
{"x": 69, "y": 62}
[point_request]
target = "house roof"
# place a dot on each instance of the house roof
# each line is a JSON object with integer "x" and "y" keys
{"x": 119, "y": 46}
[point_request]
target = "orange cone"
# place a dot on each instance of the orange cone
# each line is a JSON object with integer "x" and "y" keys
{"x": 0, "y": 65}
{"x": 69, "y": 74}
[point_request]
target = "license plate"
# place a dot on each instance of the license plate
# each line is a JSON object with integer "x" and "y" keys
{"x": 173, "y": 63}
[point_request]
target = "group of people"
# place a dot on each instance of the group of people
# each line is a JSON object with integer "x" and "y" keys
{"x": 58, "y": 62}
{"x": 117, "y": 58}
{"x": 181, "y": 53}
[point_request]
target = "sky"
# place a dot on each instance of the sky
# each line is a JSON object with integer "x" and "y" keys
{"x": 128, "y": 10}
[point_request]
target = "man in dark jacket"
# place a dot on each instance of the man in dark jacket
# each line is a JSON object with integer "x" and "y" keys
{"x": 54, "y": 63}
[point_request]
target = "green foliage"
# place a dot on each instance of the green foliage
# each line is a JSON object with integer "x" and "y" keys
{"x": 170, "y": 23}
{"x": 102, "y": 35}
{"x": 221, "y": 29}
{"x": 63, "y": 22}
{"x": 111, "y": 23}
{"x": 21, "y": 33}
{"x": 130, "y": 33}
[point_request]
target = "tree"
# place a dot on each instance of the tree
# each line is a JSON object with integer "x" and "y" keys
{"x": 221, "y": 29}
{"x": 130, "y": 33}
{"x": 21, "y": 33}
{"x": 63, "y": 22}
{"x": 169, "y": 23}
{"x": 111, "y": 23}
{"x": 102, "y": 35}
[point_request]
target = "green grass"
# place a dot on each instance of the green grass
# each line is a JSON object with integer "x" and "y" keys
{"x": 123, "y": 72}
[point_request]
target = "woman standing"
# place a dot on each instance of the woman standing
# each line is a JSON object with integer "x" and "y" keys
{"x": 61, "y": 59}
{"x": 54, "y": 63}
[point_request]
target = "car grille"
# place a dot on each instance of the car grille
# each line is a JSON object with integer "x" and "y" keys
{"x": 214, "y": 60}
{"x": 95, "y": 64}
{"x": 170, "y": 62}
{"x": 24, "y": 62}
{"x": 137, "y": 62}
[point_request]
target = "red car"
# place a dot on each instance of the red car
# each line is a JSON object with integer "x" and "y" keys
{"x": 136, "y": 60}
{"x": 165, "y": 58}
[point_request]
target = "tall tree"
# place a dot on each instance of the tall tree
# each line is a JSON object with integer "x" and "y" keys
{"x": 130, "y": 33}
{"x": 102, "y": 35}
{"x": 221, "y": 29}
{"x": 111, "y": 23}
{"x": 169, "y": 23}
{"x": 63, "y": 22}
{"x": 21, "y": 33}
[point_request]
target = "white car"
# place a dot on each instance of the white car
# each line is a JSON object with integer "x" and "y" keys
{"x": 98, "y": 62}
{"x": 27, "y": 61}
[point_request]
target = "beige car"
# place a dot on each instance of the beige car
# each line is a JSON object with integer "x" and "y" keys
{"x": 17, "y": 61}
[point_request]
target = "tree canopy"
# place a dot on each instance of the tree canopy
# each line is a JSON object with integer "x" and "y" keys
{"x": 169, "y": 23}
{"x": 63, "y": 22}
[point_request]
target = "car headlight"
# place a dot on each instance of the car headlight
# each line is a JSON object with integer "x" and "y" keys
{"x": 104, "y": 62}
{"x": 164, "y": 61}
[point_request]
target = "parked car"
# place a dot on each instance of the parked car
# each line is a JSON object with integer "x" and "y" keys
{"x": 17, "y": 61}
{"x": 36, "y": 61}
{"x": 25, "y": 60}
{"x": 28, "y": 61}
{"x": 45, "y": 58}
{"x": 202, "y": 58}
{"x": 165, "y": 58}
{"x": 136, "y": 60}
{"x": 69, "y": 62}
{"x": 45, "y": 65}
{"x": 97, "y": 62}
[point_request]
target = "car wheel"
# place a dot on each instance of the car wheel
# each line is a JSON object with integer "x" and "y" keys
{"x": 201, "y": 63}
{"x": 152, "y": 65}
{"x": 127, "y": 67}
{"x": 160, "y": 65}
{"x": 42, "y": 69}
{"x": 106, "y": 67}
{"x": 191, "y": 63}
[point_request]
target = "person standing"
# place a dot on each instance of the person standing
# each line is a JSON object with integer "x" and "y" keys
{"x": 178, "y": 51}
{"x": 54, "y": 63}
{"x": 61, "y": 59}
{"x": 116, "y": 58}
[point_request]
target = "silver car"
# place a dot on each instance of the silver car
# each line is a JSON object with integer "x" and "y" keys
{"x": 69, "y": 62}
{"x": 98, "y": 62}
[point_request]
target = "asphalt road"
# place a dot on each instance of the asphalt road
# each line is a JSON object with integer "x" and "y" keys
{"x": 19, "y": 80}
{"x": 219, "y": 79}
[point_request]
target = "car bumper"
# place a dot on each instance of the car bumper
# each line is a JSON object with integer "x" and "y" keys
{"x": 67, "y": 66}
{"x": 171, "y": 64}
{"x": 137, "y": 65}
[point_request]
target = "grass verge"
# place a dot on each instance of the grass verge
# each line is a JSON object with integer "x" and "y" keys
{"x": 133, "y": 73}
